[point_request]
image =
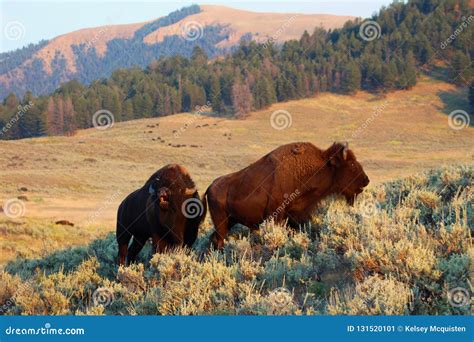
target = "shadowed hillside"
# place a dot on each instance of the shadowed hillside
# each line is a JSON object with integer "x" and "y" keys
{"x": 94, "y": 53}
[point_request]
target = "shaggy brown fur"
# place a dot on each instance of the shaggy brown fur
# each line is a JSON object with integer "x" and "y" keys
{"x": 286, "y": 184}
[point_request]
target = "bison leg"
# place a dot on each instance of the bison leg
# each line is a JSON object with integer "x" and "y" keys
{"x": 123, "y": 239}
{"x": 216, "y": 199}
{"x": 292, "y": 221}
{"x": 222, "y": 227}
{"x": 295, "y": 220}
{"x": 135, "y": 248}
{"x": 159, "y": 244}
{"x": 122, "y": 253}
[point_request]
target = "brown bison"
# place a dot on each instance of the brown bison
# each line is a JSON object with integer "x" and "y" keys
{"x": 286, "y": 184}
{"x": 167, "y": 208}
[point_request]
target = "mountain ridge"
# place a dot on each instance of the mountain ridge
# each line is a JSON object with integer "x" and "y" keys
{"x": 219, "y": 28}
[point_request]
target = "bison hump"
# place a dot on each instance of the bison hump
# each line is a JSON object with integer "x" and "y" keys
{"x": 297, "y": 160}
{"x": 292, "y": 151}
{"x": 297, "y": 149}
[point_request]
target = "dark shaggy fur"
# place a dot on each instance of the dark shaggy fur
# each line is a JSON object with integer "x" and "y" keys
{"x": 157, "y": 210}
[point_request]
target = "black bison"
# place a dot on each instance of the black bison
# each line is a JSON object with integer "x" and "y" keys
{"x": 166, "y": 208}
{"x": 286, "y": 184}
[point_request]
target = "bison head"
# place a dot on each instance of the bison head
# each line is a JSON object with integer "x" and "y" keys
{"x": 163, "y": 196}
{"x": 174, "y": 202}
{"x": 168, "y": 199}
{"x": 350, "y": 177}
{"x": 160, "y": 194}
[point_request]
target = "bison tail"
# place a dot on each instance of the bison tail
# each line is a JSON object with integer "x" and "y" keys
{"x": 204, "y": 206}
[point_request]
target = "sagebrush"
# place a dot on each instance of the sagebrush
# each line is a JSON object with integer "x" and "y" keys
{"x": 398, "y": 250}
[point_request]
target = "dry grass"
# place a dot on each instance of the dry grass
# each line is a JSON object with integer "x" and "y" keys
{"x": 279, "y": 27}
{"x": 399, "y": 250}
{"x": 34, "y": 238}
{"x": 83, "y": 178}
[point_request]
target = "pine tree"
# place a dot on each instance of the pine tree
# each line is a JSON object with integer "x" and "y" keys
{"x": 241, "y": 98}
{"x": 389, "y": 75}
{"x": 281, "y": 89}
{"x": 82, "y": 115}
{"x": 198, "y": 56}
{"x": 408, "y": 72}
{"x": 147, "y": 106}
{"x": 270, "y": 91}
{"x": 215, "y": 94}
{"x": 351, "y": 78}
{"x": 11, "y": 101}
{"x": 300, "y": 85}
{"x": 50, "y": 117}
{"x": 69, "y": 117}
{"x": 175, "y": 100}
{"x": 471, "y": 94}
{"x": 55, "y": 116}
{"x": 142, "y": 106}
{"x": 305, "y": 40}
{"x": 30, "y": 122}
{"x": 59, "y": 116}
{"x": 424, "y": 49}
{"x": 127, "y": 110}
{"x": 461, "y": 69}
{"x": 111, "y": 102}
{"x": 264, "y": 93}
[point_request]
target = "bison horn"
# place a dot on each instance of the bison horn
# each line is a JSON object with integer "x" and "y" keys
{"x": 151, "y": 191}
{"x": 190, "y": 191}
{"x": 344, "y": 151}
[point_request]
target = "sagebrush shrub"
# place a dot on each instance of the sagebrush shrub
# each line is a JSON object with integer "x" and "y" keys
{"x": 373, "y": 296}
{"x": 398, "y": 250}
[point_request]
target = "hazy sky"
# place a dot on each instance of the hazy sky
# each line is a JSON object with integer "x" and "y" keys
{"x": 36, "y": 20}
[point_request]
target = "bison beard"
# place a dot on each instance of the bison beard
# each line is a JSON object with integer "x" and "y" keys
{"x": 156, "y": 210}
{"x": 286, "y": 184}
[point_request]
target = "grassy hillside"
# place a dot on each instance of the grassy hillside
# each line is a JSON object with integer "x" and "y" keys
{"x": 83, "y": 178}
{"x": 89, "y": 54}
{"x": 400, "y": 250}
